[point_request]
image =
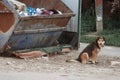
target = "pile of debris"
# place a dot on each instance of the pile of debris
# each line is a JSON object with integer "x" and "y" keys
{"x": 37, "y": 52}
{"x": 24, "y": 10}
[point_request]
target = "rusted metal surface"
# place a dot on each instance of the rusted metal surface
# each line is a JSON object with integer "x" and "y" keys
{"x": 59, "y": 21}
{"x": 6, "y": 16}
{"x": 26, "y": 41}
{"x": 32, "y": 31}
{"x": 8, "y": 20}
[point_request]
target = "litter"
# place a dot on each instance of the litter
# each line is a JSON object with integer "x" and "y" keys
{"x": 31, "y": 54}
{"x": 44, "y": 53}
{"x": 115, "y": 63}
{"x": 24, "y": 10}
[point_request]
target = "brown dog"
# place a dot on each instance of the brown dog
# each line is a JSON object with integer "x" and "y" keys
{"x": 90, "y": 53}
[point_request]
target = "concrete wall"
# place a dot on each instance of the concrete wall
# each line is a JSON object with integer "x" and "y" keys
{"x": 73, "y": 5}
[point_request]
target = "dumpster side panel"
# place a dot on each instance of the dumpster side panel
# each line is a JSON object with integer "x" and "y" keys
{"x": 34, "y": 40}
{"x": 60, "y": 22}
{"x": 33, "y": 33}
{"x": 7, "y": 23}
{"x": 38, "y": 31}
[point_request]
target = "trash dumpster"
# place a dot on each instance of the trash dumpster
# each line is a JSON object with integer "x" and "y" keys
{"x": 35, "y": 31}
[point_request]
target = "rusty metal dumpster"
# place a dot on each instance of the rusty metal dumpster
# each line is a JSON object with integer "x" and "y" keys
{"x": 35, "y": 31}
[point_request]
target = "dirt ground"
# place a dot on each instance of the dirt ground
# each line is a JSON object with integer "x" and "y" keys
{"x": 57, "y": 65}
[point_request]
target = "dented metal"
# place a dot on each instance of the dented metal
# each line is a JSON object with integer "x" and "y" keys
{"x": 32, "y": 31}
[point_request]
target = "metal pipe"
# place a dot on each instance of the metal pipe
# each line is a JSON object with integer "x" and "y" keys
{"x": 79, "y": 20}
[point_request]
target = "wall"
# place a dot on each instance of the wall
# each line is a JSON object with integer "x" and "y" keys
{"x": 73, "y": 5}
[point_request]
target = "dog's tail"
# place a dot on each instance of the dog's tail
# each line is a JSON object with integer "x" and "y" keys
{"x": 72, "y": 60}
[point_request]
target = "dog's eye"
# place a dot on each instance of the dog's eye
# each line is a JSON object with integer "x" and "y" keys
{"x": 101, "y": 40}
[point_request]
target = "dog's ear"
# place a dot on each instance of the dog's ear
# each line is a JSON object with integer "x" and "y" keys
{"x": 104, "y": 38}
{"x": 97, "y": 39}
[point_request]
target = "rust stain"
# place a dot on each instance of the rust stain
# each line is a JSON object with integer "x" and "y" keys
{"x": 6, "y": 21}
{"x": 6, "y": 18}
{"x": 61, "y": 22}
{"x": 98, "y": 2}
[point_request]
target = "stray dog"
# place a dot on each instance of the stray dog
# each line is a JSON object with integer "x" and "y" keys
{"x": 90, "y": 53}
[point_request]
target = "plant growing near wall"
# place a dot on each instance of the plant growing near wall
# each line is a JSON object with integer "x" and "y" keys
{"x": 88, "y": 19}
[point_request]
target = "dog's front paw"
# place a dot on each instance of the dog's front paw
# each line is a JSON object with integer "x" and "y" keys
{"x": 96, "y": 62}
